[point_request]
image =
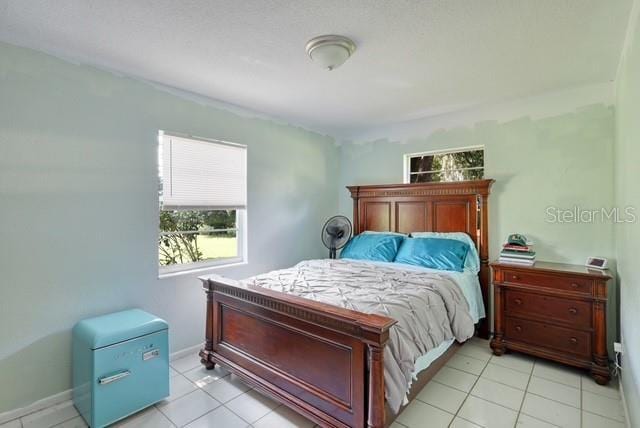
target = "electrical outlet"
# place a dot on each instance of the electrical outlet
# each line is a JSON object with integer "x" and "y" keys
{"x": 617, "y": 347}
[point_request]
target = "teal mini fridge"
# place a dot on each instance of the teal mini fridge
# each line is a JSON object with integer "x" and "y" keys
{"x": 120, "y": 365}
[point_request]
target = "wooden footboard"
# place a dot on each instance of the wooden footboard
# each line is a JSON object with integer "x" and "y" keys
{"x": 323, "y": 361}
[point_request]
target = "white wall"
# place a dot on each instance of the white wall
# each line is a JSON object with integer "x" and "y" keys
{"x": 79, "y": 209}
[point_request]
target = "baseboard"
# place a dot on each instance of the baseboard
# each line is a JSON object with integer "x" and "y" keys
{"x": 46, "y": 402}
{"x": 624, "y": 402}
{"x": 67, "y": 395}
{"x": 185, "y": 352}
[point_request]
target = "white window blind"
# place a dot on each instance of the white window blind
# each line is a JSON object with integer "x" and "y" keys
{"x": 200, "y": 174}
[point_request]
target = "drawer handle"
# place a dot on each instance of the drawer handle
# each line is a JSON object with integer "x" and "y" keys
{"x": 573, "y": 340}
{"x": 518, "y": 328}
{"x": 108, "y": 379}
{"x": 516, "y": 277}
{"x": 573, "y": 311}
{"x": 575, "y": 285}
{"x": 518, "y": 301}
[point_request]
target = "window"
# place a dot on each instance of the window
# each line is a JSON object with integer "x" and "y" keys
{"x": 450, "y": 165}
{"x": 202, "y": 195}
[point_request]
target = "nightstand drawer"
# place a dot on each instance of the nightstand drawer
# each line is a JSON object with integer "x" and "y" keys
{"x": 578, "y": 285}
{"x": 549, "y": 336}
{"x": 574, "y": 312}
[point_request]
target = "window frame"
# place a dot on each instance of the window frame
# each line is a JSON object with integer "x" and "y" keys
{"x": 408, "y": 156}
{"x": 165, "y": 271}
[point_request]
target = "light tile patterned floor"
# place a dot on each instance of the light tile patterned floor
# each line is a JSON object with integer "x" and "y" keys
{"x": 475, "y": 389}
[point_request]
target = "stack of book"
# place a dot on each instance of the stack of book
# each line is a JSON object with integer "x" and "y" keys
{"x": 518, "y": 254}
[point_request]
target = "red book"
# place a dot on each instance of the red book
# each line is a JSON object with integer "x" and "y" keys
{"x": 516, "y": 247}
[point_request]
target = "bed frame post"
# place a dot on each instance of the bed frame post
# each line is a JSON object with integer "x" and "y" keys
{"x": 376, "y": 413}
{"x": 208, "y": 344}
{"x": 356, "y": 213}
{"x": 485, "y": 270}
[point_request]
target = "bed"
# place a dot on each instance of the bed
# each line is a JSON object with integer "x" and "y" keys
{"x": 325, "y": 361}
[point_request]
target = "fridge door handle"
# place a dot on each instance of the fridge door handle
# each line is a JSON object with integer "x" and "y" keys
{"x": 114, "y": 377}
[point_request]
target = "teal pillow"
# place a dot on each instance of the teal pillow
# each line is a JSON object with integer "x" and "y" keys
{"x": 372, "y": 246}
{"x": 472, "y": 262}
{"x": 434, "y": 253}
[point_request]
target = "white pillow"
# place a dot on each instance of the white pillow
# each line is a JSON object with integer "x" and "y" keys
{"x": 472, "y": 263}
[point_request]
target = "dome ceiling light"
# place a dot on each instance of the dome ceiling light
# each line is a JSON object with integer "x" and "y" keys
{"x": 330, "y": 51}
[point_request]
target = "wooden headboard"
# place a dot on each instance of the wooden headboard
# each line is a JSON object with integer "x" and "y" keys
{"x": 460, "y": 206}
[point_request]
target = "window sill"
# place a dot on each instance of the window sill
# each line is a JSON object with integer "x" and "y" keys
{"x": 197, "y": 270}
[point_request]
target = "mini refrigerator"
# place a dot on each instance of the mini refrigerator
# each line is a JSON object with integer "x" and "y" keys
{"x": 120, "y": 365}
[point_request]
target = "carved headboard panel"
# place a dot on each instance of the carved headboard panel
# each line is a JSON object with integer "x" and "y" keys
{"x": 460, "y": 206}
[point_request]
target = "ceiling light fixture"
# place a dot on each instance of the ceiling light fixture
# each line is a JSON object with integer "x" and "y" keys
{"x": 330, "y": 51}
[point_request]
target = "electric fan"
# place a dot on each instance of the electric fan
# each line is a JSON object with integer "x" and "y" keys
{"x": 336, "y": 233}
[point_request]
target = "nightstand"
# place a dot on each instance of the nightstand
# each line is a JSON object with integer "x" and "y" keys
{"x": 553, "y": 311}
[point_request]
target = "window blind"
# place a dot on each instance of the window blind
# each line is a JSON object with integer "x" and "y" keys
{"x": 200, "y": 174}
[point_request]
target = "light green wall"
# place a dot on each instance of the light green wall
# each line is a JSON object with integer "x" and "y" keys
{"x": 78, "y": 208}
{"x": 627, "y": 193}
{"x": 78, "y": 198}
{"x": 563, "y": 161}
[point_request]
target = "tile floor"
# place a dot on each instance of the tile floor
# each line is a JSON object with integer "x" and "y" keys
{"x": 475, "y": 389}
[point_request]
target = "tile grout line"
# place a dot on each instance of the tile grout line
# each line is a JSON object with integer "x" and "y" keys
{"x": 492, "y": 380}
{"x": 551, "y": 399}
{"x": 598, "y": 394}
{"x": 468, "y": 393}
{"x": 453, "y": 387}
{"x": 221, "y": 403}
{"x": 493, "y": 402}
{"x": 201, "y": 416}
{"x": 51, "y": 426}
{"x": 531, "y": 376}
{"x": 165, "y": 416}
{"x": 271, "y": 411}
{"x": 606, "y": 417}
{"x": 526, "y": 391}
{"x": 502, "y": 366}
{"x": 555, "y": 401}
{"x": 449, "y": 386}
{"x": 581, "y": 411}
{"x": 258, "y": 392}
{"x": 19, "y": 419}
{"x": 580, "y": 408}
{"x": 579, "y": 389}
{"x": 479, "y": 377}
{"x": 64, "y": 422}
{"x": 198, "y": 388}
{"x": 234, "y": 413}
{"x": 176, "y": 399}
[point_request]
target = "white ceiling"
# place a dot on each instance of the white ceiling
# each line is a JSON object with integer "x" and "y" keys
{"x": 414, "y": 58}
